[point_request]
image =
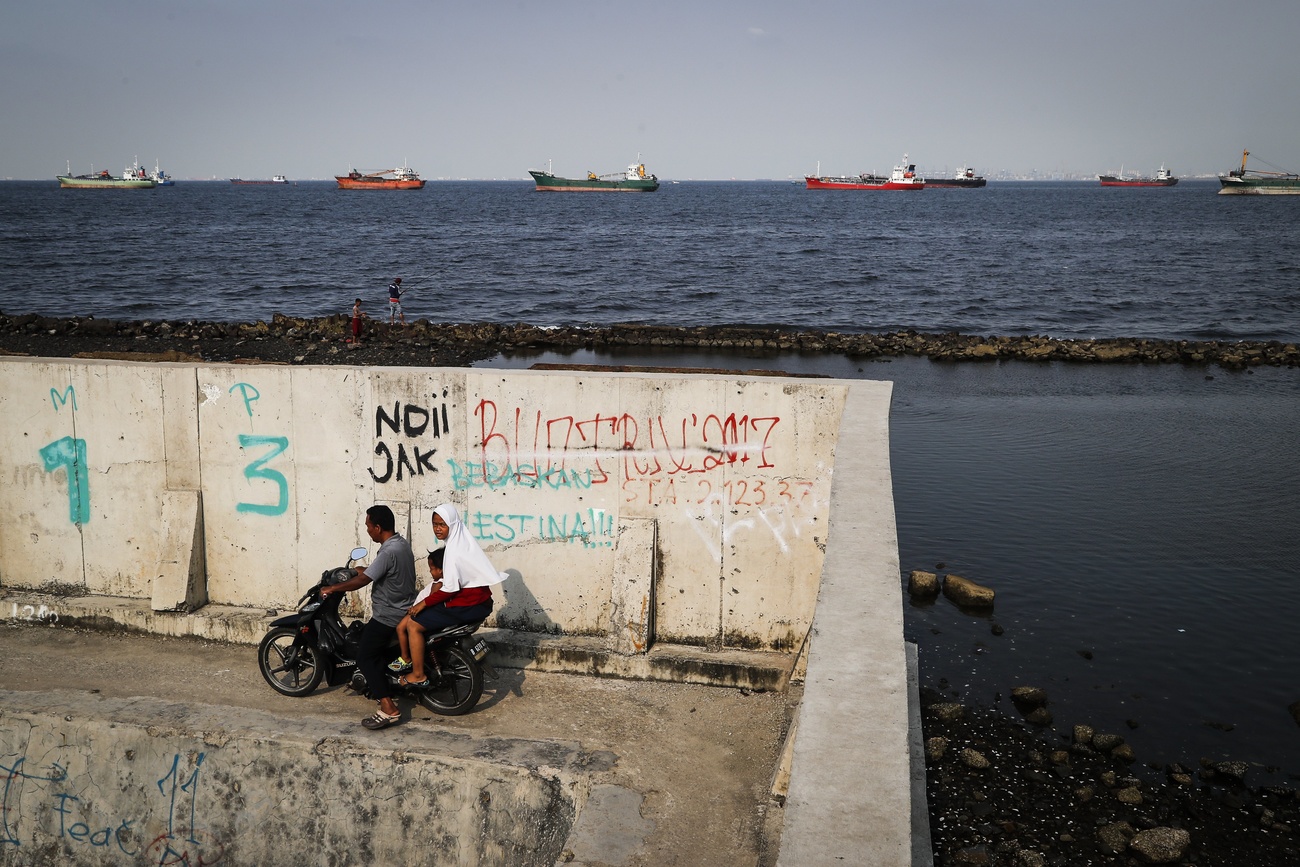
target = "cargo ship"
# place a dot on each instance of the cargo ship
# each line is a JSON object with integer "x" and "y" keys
{"x": 1163, "y": 178}
{"x": 403, "y": 178}
{"x": 964, "y": 177}
{"x": 633, "y": 179}
{"x": 903, "y": 177}
{"x": 134, "y": 177}
{"x": 277, "y": 179}
{"x": 1256, "y": 182}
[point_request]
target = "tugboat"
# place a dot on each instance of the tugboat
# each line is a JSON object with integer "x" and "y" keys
{"x": 633, "y": 179}
{"x": 964, "y": 177}
{"x": 160, "y": 177}
{"x": 133, "y": 177}
{"x": 903, "y": 177}
{"x": 403, "y": 178}
{"x": 1163, "y": 178}
{"x": 1256, "y": 182}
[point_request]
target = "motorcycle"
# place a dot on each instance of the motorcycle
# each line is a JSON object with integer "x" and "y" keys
{"x": 302, "y": 649}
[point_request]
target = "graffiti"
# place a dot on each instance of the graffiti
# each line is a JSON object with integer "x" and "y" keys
{"x": 258, "y": 470}
{"x": 732, "y": 492}
{"x": 57, "y": 774}
{"x": 409, "y": 422}
{"x": 182, "y": 843}
{"x": 594, "y": 528}
{"x": 249, "y": 393}
{"x": 61, "y": 400}
{"x": 519, "y": 445}
{"x": 211, "y": 394}
{"x": 70, "y": 454}
{"x": 465, "y": 475}
{"x": 31, "y": 612}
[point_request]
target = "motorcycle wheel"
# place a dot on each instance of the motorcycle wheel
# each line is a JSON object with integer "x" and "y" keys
{"x": 290, "y": 668}
{"x": 460, "y": 686}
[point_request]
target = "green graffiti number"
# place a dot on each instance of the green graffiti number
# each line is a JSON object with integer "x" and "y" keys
{"x": 257, "y": 470}
{"x": 70, "y": 454}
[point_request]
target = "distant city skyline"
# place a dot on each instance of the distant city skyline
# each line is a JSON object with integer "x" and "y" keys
{"x": 696, "y": 91}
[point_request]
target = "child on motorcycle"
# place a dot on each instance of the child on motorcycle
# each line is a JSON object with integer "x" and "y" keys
{"x": 460, "y": 593}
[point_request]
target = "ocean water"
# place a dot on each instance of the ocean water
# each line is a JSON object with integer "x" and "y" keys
{"x": 1139, "y": 523}
{"x": 1065, "y": 259}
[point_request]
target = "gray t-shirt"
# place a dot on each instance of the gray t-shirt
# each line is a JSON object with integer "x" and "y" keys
{"x": 392, "y": 574}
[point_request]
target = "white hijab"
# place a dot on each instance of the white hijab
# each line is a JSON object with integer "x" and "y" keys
{"x": 464, "y": 564}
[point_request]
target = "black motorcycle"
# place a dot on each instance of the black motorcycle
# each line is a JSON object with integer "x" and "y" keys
{"x": 302, "y": 649}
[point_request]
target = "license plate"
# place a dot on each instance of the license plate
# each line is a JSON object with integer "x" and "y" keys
{"x": 479, "y": 650}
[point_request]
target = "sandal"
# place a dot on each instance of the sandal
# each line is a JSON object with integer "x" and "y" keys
{"x": 399, "y": 665}
{"x": 422, "y": 684}
{"x": 379, "y": 720}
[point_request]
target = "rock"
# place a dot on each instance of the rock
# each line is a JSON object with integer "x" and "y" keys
{"x": 1040, "y": 716}
{"x": 1083, "y": 734}
{"x": 1123, "y": 753}
{"x": 1235, "y": 771}
{"x": 1106, "y": 742}
{"x": 935, "y": 748}
{"x": 966, "y": 593}
{"x": 1115, "y": 837}
{"x": 923, "y": 584}
{"x": 1030, "y": 696}
{"x": 975, "y": 856}
{"x": 1161, "y": 845}
{"x": 1026, "y": 858}
{"x": 1131, "y": 796}
{"x": 948, "y": 711}
{"x": 974, "y": 759}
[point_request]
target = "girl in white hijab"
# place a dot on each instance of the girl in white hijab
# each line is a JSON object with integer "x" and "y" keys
{"x": 460, "y": 593}
{"x": 465, "y": 564}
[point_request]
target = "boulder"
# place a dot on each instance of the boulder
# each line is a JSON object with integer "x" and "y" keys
{"x": 1115, "y": 837}
{"x": 1161, "y": 845}
{"x": 966, "y": 593}
{"x": 949, "y": 711}
{"x": 1029, "y": 696}
{"x": 924, "y": 585}
{"x": 1105, "y": 742}
{"x": 974, "y": 759}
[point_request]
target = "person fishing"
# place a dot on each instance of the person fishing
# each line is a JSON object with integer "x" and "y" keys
{"x": 395, "y": 293}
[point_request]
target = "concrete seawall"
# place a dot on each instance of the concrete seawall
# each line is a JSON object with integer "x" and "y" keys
{"x": 698, "y": 529}
{"x": 140, "y": 781}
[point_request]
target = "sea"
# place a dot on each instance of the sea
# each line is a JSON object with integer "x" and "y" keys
{"x": 1139, "y": 523}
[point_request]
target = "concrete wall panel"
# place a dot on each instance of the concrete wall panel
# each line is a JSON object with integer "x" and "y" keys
{"x": 119, "y": 415}
{"x": 249, "y": 448}
{"x": 44, "y": 487}
{"x": 778, "y": 494}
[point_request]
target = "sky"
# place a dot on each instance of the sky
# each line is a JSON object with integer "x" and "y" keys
{"x": 707, "y": 89}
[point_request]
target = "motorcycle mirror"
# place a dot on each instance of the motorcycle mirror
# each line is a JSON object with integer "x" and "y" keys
{"x": 358, "y": 553}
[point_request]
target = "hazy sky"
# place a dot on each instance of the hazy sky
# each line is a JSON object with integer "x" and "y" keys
{"x": 700, "y": 89}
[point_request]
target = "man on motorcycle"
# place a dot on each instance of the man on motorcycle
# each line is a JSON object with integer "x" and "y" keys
{"x": 392, "y": 572}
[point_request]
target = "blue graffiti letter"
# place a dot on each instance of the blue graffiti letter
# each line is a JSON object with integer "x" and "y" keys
{"x": 71, "y": 455}
{"x": 256, "y": 470}
{"x": 59, "y": 400}
{"x": 249, "y": 394}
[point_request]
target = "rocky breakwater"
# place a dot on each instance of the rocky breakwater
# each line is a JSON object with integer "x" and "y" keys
{"x": 1003, "y": 791}
{"x": 324, "y": 340}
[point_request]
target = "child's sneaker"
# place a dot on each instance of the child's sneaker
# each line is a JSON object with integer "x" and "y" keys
{"x": 399, "y": 665}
